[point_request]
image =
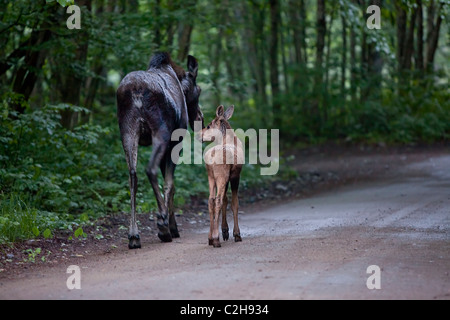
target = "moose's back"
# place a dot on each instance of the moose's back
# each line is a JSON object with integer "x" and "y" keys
{"x": 151, "y": 99}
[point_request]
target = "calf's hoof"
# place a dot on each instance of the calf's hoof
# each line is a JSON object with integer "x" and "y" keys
{"x": 237, "y": 238}
{"x": 216, "y": 243}
{"x": 225, "y": 234}
{"x": 134, "y": 242}
{"x": 210, "y": 242}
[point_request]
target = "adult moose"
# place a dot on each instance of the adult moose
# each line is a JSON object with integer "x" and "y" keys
{"x": 150, "y": 106}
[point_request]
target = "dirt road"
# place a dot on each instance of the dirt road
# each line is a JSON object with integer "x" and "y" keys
{"x": 314, "y": 248}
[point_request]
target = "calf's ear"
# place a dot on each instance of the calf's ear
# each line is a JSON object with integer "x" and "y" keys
{"x": 220, "y": 111}
{"x": 192, "y": 66}
{"x": 229, "y": 113}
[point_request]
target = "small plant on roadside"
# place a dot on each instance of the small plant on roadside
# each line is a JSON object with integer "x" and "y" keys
{"x": 32, "y": 254}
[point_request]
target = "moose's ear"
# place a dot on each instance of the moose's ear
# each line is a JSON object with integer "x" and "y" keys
{"x": 193, "y": 66}
{"x": 220, "y": 111}
{"x": 229, "y": 113}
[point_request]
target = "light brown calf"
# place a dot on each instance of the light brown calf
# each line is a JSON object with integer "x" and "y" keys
{"x": 224, "y": 162}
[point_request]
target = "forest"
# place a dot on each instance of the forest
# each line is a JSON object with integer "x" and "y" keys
{"x": 311, "y": 68}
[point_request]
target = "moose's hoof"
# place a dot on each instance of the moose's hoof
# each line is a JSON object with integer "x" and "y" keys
{"x": 237, "y": 238}
{"x": 163, "y": 226}
{"x": 134, "y": 242}
{"x": 225, "y": 234}
{"x": 165, "y": 237}
{"x": 216, "y": 243}
{"x": 210, "y": 242}
{"x": 174, "y": 233}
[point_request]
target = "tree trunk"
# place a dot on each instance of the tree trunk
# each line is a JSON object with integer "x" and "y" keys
{"x": 248, "y": 44}
{"x": 71, "y": 82}
{"x": 70, "y": 91}
{"x": 157, "y": 38}
{"x": 261, "y": 52}
{"x": 133, "y": 6}
{"x": 93, "y": 83}
{"x": 27, "y": 75}
{"x": 353, "y": 67}
{"x": 185, "y": 29}
{"x": 433, "y": 33}
{"x": 321, "y": 27}
{"x": 430, "y": 20}
{"x": 184, "y": 40}
{"x": 273, "y": 62}
{"x": 252, "y": 18}
{"x": 295, "y": 23}
{"x": 409, "y": 42}
{"x": 419, "y": 50}
{"x": 216, "y": 49}
{"x": 283, "y": 54}
{"x": 328, "y": 46}
{"x": 401, "y": 32}
{"x": 344, "y": 56}
{"x": 234, "y": 55}
{"x": 111, "y": 5}
{"x": 303, "y": 24}
{"x": 171, "y": 27}
{"x": 372, "y": 68}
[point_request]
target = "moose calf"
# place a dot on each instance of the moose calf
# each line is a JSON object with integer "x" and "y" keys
{"x": 224, "y": 162}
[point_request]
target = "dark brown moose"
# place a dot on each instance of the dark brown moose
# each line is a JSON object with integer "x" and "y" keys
{"x": 151, "y": 105}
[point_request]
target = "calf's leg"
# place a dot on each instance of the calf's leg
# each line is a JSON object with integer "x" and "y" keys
{"x": 225, "y": 228}
{"x": 211, "y": 206}
{"x": 221, "y": 189}
{"x": 235, "y": 208}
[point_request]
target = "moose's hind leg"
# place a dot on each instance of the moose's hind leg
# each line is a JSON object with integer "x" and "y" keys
{"x": 134, "y": 242}
{"x": 133, "y": 235}
{"x": 130, "y": 146}
{"x": 159, "y": 149}
{"x": 168, "y": 170}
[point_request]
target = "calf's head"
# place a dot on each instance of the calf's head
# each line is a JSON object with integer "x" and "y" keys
{"x": 217, "y": 129}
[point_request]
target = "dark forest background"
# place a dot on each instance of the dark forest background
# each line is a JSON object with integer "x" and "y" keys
{"x": 310, "y": 68}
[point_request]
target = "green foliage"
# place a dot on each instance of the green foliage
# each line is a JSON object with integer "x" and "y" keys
{"x": 51, "y": 177}
{"x": 79, "y": 233}
{"x": 63, "y": 3}
{"x": 33, "y": 254}
{"x": 47, "y": 234}
{"x": 55, "y": 177}
{"x": 404, "y": 115}
{"x": 17, "y": 220}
